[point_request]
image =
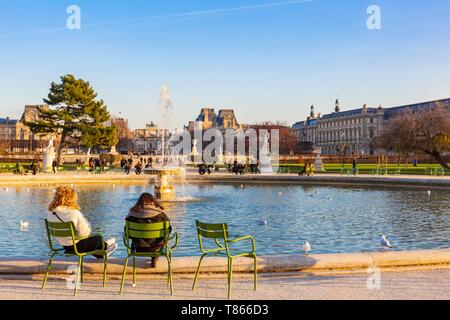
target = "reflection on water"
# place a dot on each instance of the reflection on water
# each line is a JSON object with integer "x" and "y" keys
{"x": 331, "y": 219}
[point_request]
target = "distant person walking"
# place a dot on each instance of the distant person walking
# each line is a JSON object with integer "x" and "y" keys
{"x": 354, "y": 166}
{"x": 150, "y": 161}
{"x": 91, "y": 165}
{"x": 236, "y": 167}
{"x": 55, "y": 166}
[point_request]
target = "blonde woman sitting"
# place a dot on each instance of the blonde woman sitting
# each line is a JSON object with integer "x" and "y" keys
{"x": 64, "y": 208}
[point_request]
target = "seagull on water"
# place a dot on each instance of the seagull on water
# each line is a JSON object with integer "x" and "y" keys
{"x": 429, "y": 193}
{"x": 306, "y": 248}
{"x": 24, "y": 225}
{"x": 384, "y": 242}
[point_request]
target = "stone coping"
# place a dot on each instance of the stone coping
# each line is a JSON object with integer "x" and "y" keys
{"x": 271, "y": 264}
{"x": 330, "y": 179}
{"x": 320, "y": 179}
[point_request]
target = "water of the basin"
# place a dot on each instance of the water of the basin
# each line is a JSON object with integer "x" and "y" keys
{"x": 332, "y": 219}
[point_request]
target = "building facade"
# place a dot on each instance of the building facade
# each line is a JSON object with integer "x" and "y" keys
{"x": 18, "y": 136}
{"x": 208, "y": 118}
{"x": 149, "y": 139}
{"x": 354, "y": 131}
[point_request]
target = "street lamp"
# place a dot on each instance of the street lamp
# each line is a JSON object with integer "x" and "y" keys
{"x": 10, "y": 140}
{"x": 342, "y": 150}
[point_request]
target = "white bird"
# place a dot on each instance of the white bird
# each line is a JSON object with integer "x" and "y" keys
{"x": 384, "y": 242}
{"x": 429, "y": 193}
{"x": 306, "y": 247}
{"x": 329, "y": 198}
{"x": 24, "y": 224}
{"x": 280, "y": 193}
{"x": 28, "y": 189}
{"x": 6, "y": 189}
{"x": 242, "y": 186}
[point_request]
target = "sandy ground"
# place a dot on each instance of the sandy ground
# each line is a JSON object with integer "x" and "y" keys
{"x": 428, "y": 285}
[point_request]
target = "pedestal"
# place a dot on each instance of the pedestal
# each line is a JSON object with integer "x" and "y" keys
{"x": 165, "y": 184}
{"x": 48, "y": 158}
{"x": 318, "y": 164}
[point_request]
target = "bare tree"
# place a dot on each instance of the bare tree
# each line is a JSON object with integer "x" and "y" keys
{"x": 425, "y": 131}
{"x": 5, "y": 145}
{"x": 289, "y": 141}
{"x": 123, "y": 133}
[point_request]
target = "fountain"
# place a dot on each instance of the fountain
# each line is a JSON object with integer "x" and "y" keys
{"x": 166, "y": 174}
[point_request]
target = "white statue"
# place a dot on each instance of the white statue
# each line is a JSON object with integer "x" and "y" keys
{"x": 265, "y": 158}
{"x": 50, "y": 147}
{"x": 318, "y": 165}
{"x": 49, "y": 155}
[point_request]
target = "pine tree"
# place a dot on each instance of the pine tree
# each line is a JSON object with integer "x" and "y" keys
{"x": 74, "y": 113}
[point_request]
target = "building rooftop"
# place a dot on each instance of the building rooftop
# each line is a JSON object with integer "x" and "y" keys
{"x": 348, "y": 113}
{"x": 8, "y": 121}
{"x": 392, "y": 111}
{"x": 388, "y": 112}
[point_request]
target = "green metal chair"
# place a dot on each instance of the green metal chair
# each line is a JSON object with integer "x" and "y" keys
{"x": 148, "y": 231}
{"x": 67, "y": 230}
{"x": 219, "y": 233}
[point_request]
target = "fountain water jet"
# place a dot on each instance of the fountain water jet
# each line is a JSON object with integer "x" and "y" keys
{"x": 165, "y": 181}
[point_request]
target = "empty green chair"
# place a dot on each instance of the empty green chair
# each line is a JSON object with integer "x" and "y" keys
{"x": 148, "y": 231}
{"x": 219, "y": 233}
{"x": 63, "y": 230}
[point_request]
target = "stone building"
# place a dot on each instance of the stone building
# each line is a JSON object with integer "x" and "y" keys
{"x": 225, "y": 119}
{"x": 148, "y": 140}
{"x": 353, "y": 131}
{"x": 18, "y": 135}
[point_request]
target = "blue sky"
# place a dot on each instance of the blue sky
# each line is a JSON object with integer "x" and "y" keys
{"x": 269, "y": 60}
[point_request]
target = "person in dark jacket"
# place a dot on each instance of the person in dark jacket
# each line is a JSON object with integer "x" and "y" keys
{"x": 148, "y": 210}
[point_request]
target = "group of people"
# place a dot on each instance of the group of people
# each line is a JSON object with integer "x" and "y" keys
{"x": 241, "y": 168}
{"x": 32, "y": 168}
{"x": 231, "y": 167}
{"x": 96, "y": 164}
{"x": 127, "y": 164}
{"x": 307, "y": 170}
{"x": 204, "y": 168}
{"x": 65, "y": 208}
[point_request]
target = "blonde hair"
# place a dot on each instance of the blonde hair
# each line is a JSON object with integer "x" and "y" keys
{"x": 64, "y": 197}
